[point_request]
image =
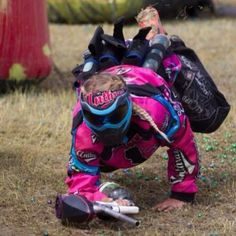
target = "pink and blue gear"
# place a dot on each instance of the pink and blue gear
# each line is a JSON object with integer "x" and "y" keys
{"x": 89, "y": 156}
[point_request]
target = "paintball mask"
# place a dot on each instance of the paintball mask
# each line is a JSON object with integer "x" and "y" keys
{"x": 107, "y": 114}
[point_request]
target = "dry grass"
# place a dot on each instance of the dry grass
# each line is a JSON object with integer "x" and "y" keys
{"x": 35, "y": 142}
{"x": 225, "y": 2}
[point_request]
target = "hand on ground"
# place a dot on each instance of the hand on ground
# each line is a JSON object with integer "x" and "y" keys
{"x": 120, "y": 202}
{"x": 169, "y": 204}
{"x": 123, "y": 202}
{"x": 107, "y": 199}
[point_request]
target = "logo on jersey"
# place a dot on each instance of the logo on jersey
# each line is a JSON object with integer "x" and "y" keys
{"x": 182, "y": 167}
{"x": 121, "y": 70}
{"x": 87, "y": 156}
{"x": 103, "y": 99}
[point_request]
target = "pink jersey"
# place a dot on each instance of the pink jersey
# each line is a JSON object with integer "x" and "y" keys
{"x": 151, "y": 92}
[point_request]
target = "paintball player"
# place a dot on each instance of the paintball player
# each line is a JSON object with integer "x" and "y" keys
{"x": 124, "y": 113}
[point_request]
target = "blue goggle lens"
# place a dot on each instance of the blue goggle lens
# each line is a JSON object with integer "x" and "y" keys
{"x": 114, "y": 117}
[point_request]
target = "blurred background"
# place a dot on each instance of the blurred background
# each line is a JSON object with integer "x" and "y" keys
{"x": 33, "y": 32}
{"x": 82, "y": 11}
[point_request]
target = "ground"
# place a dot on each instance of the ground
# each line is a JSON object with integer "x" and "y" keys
{"x": 35, "y": 142}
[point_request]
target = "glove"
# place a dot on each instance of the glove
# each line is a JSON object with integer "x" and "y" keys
{"x": 91, "y": 64}
{"x": 137, "y": 50}
{"x": 95, "y": 45}
{"x": 114, "y": 46}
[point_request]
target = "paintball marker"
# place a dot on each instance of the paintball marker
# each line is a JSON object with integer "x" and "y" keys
{"x": 77, "y": 209}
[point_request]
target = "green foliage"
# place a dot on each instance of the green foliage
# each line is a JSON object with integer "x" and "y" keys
{"x": 92, "y": 11}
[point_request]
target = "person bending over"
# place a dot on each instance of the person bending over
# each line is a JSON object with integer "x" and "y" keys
{"x": 123, "y": 115}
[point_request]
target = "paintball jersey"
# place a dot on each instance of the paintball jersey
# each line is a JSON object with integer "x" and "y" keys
{"x": 88, "y": 156}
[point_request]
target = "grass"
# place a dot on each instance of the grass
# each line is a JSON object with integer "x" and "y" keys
{"x": 35, "y": 142}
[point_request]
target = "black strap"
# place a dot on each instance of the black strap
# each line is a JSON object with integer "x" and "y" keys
{"x": 77, "y": 120}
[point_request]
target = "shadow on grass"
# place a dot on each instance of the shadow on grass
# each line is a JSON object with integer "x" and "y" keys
{"x": 56, "y": 81}
{"x": 53, "y": 84}
{"x": 10, "y": 86}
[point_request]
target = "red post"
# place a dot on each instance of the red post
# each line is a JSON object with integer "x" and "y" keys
{"x": 24, "y": 40}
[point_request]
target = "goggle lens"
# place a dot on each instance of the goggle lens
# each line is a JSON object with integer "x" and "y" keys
{"x": 114, "y": 118}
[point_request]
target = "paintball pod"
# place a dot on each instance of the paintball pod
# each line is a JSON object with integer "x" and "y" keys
{"x": 77, "y": 209}
{"x": 157, "y": 52}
